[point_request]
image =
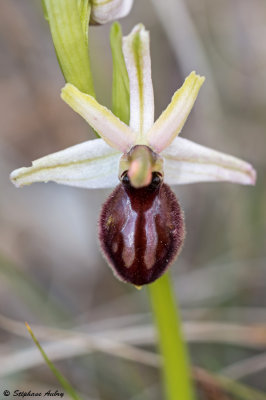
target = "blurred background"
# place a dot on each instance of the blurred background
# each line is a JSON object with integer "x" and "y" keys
{"x": 51, "y": 271}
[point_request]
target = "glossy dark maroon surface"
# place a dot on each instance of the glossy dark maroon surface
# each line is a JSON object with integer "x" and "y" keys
{"x": 141, "y": 231}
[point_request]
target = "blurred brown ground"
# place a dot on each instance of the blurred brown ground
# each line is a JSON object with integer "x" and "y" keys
{"x": 52, "y": 272}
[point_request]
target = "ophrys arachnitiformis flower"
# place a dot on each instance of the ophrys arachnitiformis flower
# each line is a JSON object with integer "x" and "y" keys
{"x": 141, "y": 224}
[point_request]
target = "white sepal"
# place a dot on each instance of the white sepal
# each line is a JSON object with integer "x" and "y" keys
{"x": 189, "y": 162}
{"x": 172, "y": 120}
{"x": 109, "y": 127}
{"x": 136, "y": 49}
{"x": 103, "y": 11}
{"x": 92, "y": 164}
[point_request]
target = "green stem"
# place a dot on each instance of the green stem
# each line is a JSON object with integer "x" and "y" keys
{"x": 176, "y": 367}
{"x": 68, "y": 20}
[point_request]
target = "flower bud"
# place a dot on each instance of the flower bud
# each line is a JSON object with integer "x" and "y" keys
{"x": 103, "y": 11}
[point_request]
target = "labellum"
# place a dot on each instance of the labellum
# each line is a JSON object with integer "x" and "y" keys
{"x": 141, "y": 229}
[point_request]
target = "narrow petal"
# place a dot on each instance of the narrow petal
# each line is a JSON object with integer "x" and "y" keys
{"x": 189, "y": 162}
{"x": 136, "y": 49}
{"x": 104, "y": 11}
{"x": 172, "y": 120}
{"x": 110, "y": 128}
{"x": 91, "y": 164}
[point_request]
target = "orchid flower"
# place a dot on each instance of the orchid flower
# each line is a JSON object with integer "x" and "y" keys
{"x": 141, "y": 225}
{"x": 103, "y": 11}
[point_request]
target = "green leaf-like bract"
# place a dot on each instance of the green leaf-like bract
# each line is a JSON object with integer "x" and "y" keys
{"x": 120, "y": 93}
{"x": 68, "y": 20}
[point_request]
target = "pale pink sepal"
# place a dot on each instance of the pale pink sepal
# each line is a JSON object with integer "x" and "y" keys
{"x": 92, "y": 164}
{"x": 171, "y": 121}
{"x": 188, "y": 162}
{"x": 103, "y": 11}
{"x": 136, "y": 49}
{"x": 109, "y": 127}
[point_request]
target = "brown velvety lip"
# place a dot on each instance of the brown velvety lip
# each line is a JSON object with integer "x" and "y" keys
{"x": 141, "y": 231}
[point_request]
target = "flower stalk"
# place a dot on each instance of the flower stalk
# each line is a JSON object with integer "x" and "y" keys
{"x": 175, "y": 360}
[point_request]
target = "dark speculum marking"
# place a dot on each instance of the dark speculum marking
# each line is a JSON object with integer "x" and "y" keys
{"x": 141, "y": 231}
